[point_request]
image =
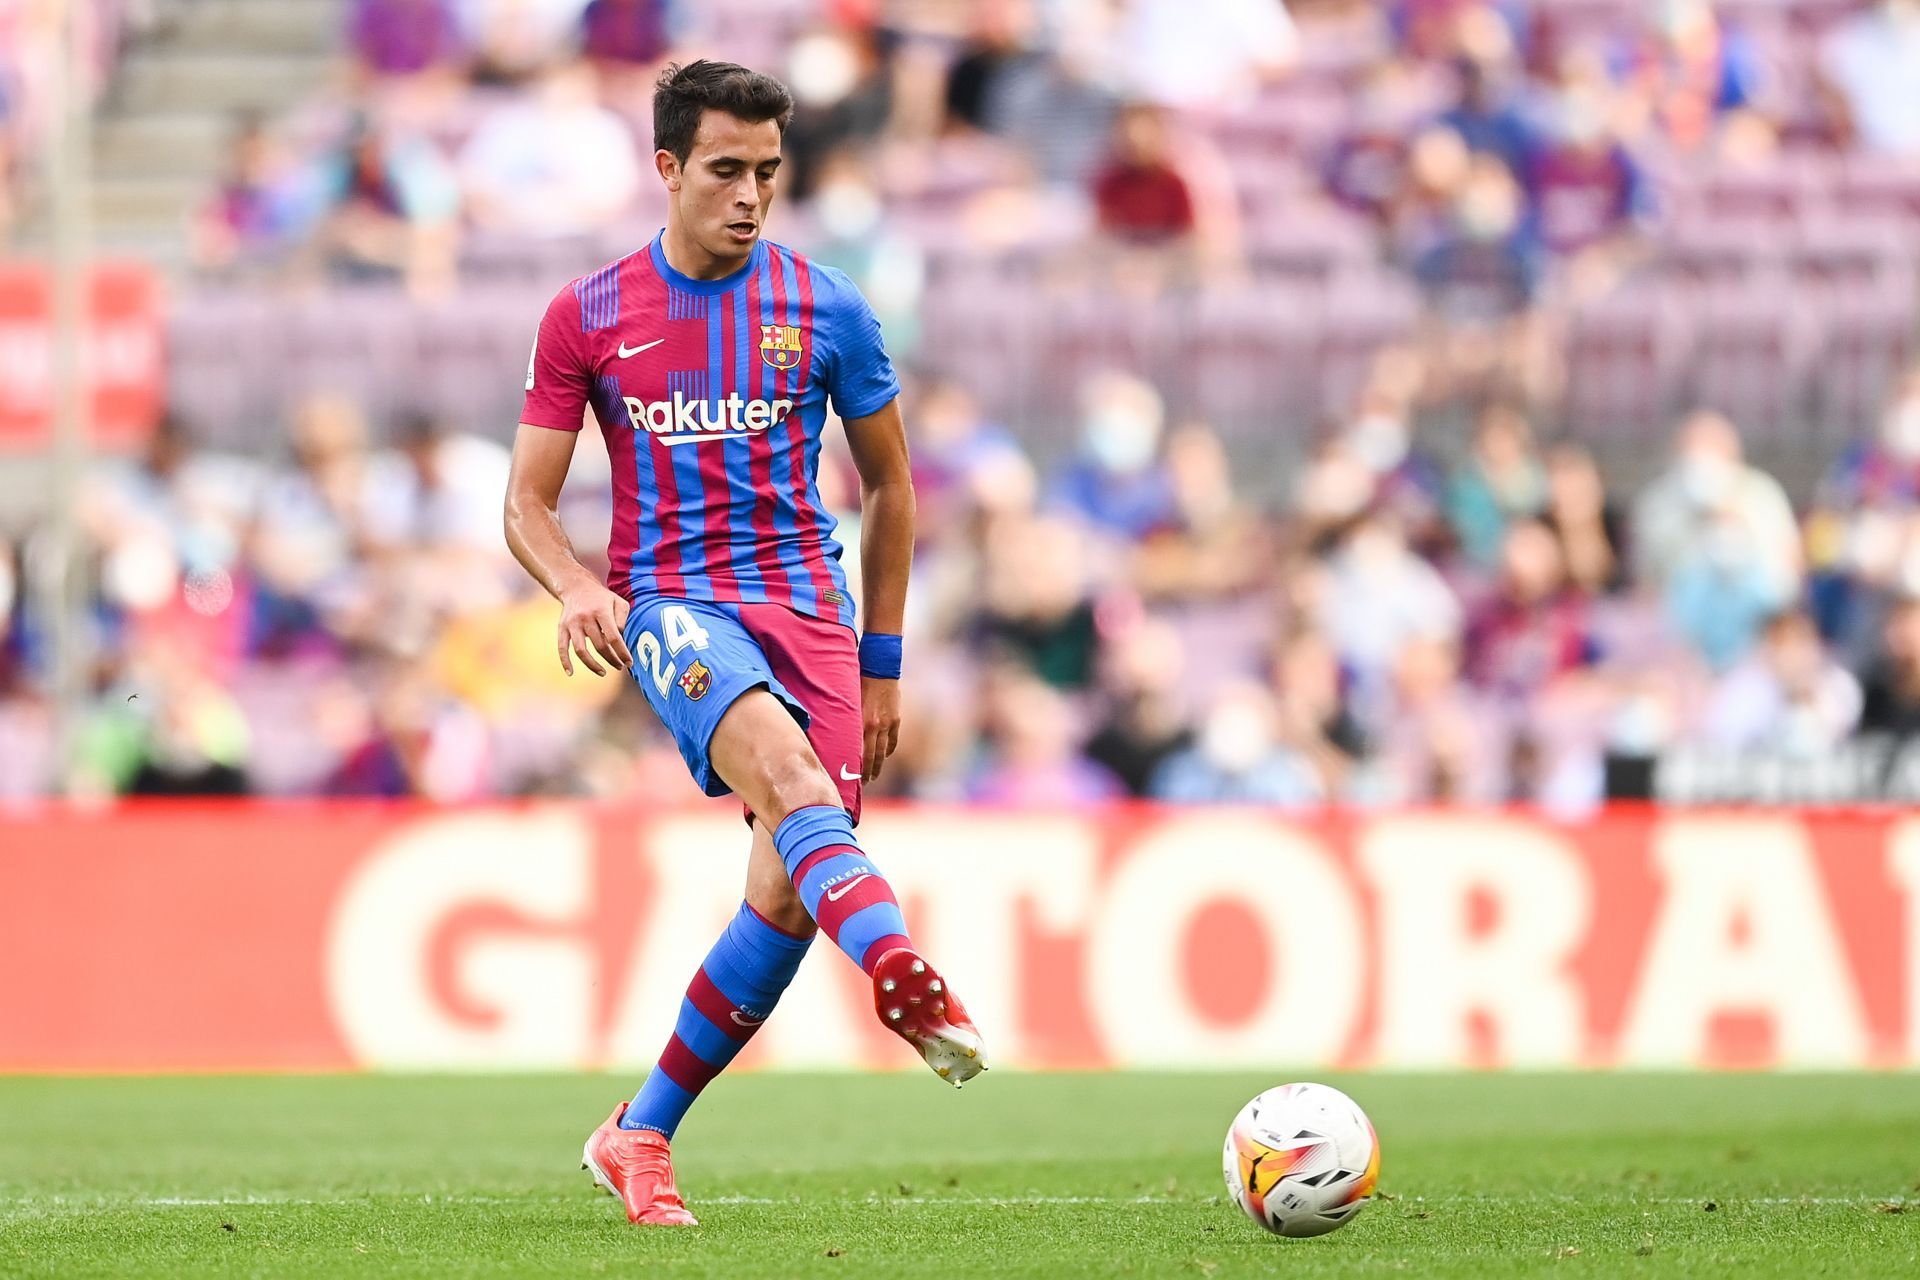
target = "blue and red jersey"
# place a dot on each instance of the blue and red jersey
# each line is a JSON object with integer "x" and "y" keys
{"x": 712, "y": 396}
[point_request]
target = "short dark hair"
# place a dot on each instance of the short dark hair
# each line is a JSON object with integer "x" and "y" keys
{"x": 682, "y": 93}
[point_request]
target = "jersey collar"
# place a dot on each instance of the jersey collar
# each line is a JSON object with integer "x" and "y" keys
{"x": 687, "y": 284}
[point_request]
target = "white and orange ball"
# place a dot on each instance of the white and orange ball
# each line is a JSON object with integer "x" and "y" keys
{"x": 1301, "y": 1159}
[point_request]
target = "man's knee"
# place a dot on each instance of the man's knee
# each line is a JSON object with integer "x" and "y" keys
{"x": 795, "y": 780}
{"x": 779, "y": 905}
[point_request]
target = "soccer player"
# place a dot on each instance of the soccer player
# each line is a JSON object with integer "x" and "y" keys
{"x": 709, "y": 359}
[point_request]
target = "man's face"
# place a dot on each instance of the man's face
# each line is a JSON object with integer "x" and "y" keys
{"x": 722, "y": 193}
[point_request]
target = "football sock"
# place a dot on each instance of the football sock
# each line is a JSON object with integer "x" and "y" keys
{"x": 731, "y": 995}
{"x": 851, "y": 901}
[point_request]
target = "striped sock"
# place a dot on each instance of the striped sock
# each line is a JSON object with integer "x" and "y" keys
{"x": 849, "y": 899}
{"x": 732, "y": 994}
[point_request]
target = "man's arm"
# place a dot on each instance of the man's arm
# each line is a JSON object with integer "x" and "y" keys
{"x": 879, "y": 445}
{"x": 591, "y": 616}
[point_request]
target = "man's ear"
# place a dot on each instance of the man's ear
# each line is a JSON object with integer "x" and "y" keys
{"x": 668, "y": 166}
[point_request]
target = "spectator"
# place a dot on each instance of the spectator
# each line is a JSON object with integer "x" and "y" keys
{"x": 258, "y": 210}
{"x": 1213, "y": 547}
{"x": 1532, "y": 629}
{"x": 1191, "y": 53}
{"x": 1709, "y": 501}
{"x": 1055, "y": 110}
{"x": 1891, "y": 697}
{"x": 1238, "y": 758}
{"x": 1501, "y": 482}
{"x": 1788, "y": 697}
{"x": 1118, "y": 482}
{"x": 1487, "y": 113}
{"x": 1588, "y": 525}
{"x": 1722, "y": 590}
{"x": 1004, "y": 35}
{"x": 1438, "y": 744}
{"x": 1312, "y": 713}
{"x": 1422, "y": 216}
{"x": 1486, "y": 267}
{"x": 438, "y": 489}
{"x": 415, "y": 741}
{"x": 1035, "y": 603}
{"x": 1367, "y": 169}
{"x": 1379, "y": 597}
{"x": 181, "y": 734}
{"x": 1144, "y": 725}
{"x": 390, "y": 213}
{"x": 1587, "y": 195}
{"x": 843, "y": 98}
{"x": 1883, "y": 475}
{"x": 513, "y": 39}
{"x": 1864, "y": 536}
{"x": 1031, "y": 760}
{"x": 624, "y": 32}
{"x": 552, "y": 164}
{"x": 405, "y": 37}
{"x": 308, "y": 527}
{"x": 1870, "y": 78}
{"x": 1139, "y": 196}
{"x": 1690, "y": 69}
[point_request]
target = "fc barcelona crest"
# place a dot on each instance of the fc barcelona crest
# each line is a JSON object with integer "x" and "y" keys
{"x": 696, "y": 680}
{"x": 780, "y": 345}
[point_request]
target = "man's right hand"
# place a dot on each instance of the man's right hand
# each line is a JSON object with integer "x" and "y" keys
{"x": 591, "y": 621}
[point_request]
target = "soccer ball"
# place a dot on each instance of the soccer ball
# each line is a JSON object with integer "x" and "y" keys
{"x": 1301, "y": 1159}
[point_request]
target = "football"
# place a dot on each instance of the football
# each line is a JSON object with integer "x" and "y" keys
{"x": 1301, "y": 1159}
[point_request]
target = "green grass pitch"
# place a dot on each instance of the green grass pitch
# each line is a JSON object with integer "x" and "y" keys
{"x": 1019, "y": 1175}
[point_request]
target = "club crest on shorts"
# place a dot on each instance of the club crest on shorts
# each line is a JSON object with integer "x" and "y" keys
{"x": 696, "y": 680}
{"x": 780, "y": 345}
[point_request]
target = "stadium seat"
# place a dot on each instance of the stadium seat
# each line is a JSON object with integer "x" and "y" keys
{"x": 1752, "y": 357}
{"x": 1625, "y": 355}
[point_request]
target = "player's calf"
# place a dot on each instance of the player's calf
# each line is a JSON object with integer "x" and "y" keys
{"x": 731, "y": 995}
{"x": 855, "y": 906}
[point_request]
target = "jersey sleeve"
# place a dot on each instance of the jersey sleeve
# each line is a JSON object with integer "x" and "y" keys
{"x": 860, "y": 377}
{"x": 558, "y": 379}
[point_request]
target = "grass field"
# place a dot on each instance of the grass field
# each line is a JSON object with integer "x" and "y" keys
{"x": 1040, "y": 1176}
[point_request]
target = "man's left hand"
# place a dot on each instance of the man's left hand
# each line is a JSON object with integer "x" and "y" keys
{"x": 880, "y": 719}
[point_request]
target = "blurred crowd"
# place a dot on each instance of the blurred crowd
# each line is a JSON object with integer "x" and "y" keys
{"x": 1499, "y": 627}
{"x": 1500, "y": 149}
{"x": 1125, "y": 607}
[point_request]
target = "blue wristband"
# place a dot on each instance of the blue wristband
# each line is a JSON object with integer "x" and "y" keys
{"x": 880, "y": 656}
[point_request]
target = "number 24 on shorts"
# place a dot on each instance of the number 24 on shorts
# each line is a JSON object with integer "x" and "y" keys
{"x": 681, "y": 632}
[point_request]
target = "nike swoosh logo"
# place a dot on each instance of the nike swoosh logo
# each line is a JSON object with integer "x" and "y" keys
{"x": 747, "y": 1022}
{"x": 840, "y": 891}
{"x": 848, "y": 777}
{"x": 626, "y": 350}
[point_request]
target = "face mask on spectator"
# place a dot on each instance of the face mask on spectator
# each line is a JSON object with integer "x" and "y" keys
{"x": 1119, "y": 439}
{"x": 1706, "y": 481}
{"x": 1640, "y": 726}
{"x": 1902, "y": 431}
{"x": 1234, "y": 737}
{"x": 1487, "y": 212}
{"x": 1909, "y": 576}
{"x": 1582, "y": 119}
{"x": 1379, "y": 440}
{"x": 848, "y": 210}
